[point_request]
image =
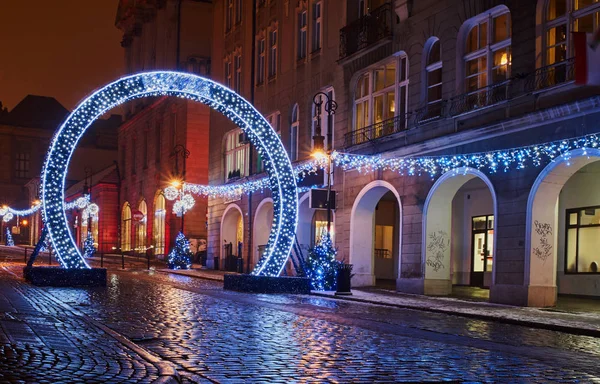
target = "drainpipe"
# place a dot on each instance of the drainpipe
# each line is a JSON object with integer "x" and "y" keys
{"x": 250, "y": 156}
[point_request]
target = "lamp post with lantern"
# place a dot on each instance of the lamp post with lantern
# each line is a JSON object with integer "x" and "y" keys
{"x": 319, "y": 149}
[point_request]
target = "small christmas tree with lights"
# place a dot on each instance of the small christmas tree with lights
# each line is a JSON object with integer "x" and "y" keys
{"x": 180, "y": 257}
{"x": 9, "y": 240}
{"x": 321, "y": 264}
{"x": 88, "y": 246}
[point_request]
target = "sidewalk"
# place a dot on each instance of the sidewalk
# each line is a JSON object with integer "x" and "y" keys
{"x": 580, "y": 323}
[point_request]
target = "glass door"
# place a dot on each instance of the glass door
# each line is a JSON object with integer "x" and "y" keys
{"x": 482, "y": 245}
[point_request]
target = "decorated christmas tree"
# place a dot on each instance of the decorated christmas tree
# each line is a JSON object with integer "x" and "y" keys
{"x": 88, "y": 246}
{"x": 180, "y": 257}
{"x": 9, "y": 239}
{"x": 321, "y": 264}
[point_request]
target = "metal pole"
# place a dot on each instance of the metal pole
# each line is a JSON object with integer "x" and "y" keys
{"x": 102, "y": 260}
{"x": 50, "y": 256}
{"x": 25, "y": 256}
{"x": 328, "y": 197}
{"x": 122, "y": 260}
{"x": 148, "y": 256}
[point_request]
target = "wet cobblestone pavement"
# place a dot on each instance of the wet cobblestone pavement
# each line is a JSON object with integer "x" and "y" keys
{"x": 42, "y": 342}
{"x": 222, "y": 336}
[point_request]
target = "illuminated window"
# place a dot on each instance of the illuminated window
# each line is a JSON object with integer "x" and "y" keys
{"x": 319, "y": 226}
{"x": 561, "y": 18}
{"x": 160, "y": 211}
{"x": 487, "y": 56}
{"x": 126, "y": 228}
{"x": 582, "y": 240}
{"x": 140, "y": 245}
{"x": 237, "y": 153}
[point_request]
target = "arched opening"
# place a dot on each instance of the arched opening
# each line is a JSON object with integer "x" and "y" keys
{"x": 311, "y": 223}
{"x": 126, "y": 228}
{"x": 142, "y": 226}
{"x": 160, "y": 211}
{"x": 375, "y": 225}
{"x": 232, "y": 237}
{"x": 263, "y": 221}
{"x": 563, "y": 229}
{"x": 458, "y": 234}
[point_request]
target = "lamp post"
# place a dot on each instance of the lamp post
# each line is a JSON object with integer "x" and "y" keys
{"x": 330, "y": 106}
{"x": 185, "y": 153}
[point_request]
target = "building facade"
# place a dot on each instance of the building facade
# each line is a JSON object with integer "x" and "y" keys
{"x": 427, "y": 78}
{"x": 25, "y": 135}
{"x": 159, "y": 131}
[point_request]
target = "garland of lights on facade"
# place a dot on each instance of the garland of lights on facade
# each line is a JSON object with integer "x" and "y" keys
{"x": 89, "y": 209}
{"x": 490, "y": 162}
{"x": 281, "y": 178}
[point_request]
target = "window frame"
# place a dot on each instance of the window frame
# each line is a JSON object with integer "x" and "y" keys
{"x": 302, "y": 31}
{"x": 237, "y": 67}
{"x": 577, "y": 226}
{"x": 126, "y": 224}
{"x": 428, "y": 69}
{"x": 228, "y": 16}
{"x": 486, "y": 51}
{"x": 273, "y": 36}
{"x": 294, "y": 130}
{"x": 227, "y": 75}
{"x": 232, "y": 149}
{"x": 568, "y": 20}
{"x": 22, "y": 164}
{"x": 238, "y": 12}
{"x": 260, "y": 60}
{"x": 317, "y": 26}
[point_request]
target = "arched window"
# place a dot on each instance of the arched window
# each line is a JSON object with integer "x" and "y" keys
{"x": 433, "y": 73}
{"x": 294, "y": 128}
{"x": 126, "y": 228}
{"x": 160, "y": 211}
{"x": 487, "y": 57}
{"x": 140, "y": 245}
{"x": 381, "y": 100}
{"x": 560, "y": 18}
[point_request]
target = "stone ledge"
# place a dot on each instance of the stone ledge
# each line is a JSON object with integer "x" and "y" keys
{"x": 60, "y": 277}
{"x": 266, "y": 284}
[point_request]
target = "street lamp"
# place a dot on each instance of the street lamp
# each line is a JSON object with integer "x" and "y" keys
{"x": 319, "y": 148}
{"x": 185, "y": 153}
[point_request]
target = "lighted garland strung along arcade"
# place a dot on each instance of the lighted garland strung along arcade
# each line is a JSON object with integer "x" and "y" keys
{"x": 282, "y": 180}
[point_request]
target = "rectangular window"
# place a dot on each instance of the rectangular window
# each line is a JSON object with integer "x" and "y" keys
{"x": 260, "y": 67}
{"x": 228, "y": 74}
{"x": 294, "y": 142}
{"x": 273, "y": 53}
{"x": 582, "y": 240}
{"x": 22, "y": 165}
{"x": 229, "y": 15}
{"x": 316, "y": 27}
{"x": 302, "y": 30}
{"x": 237, "y": 155}
{"x": 238, "y": 11}
{"x": 238, "y": 73}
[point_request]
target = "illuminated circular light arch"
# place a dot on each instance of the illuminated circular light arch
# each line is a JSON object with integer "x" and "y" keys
{"x": 160, "y": 83}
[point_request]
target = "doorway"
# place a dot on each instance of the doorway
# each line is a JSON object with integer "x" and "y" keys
{"x": 482, "y": 245}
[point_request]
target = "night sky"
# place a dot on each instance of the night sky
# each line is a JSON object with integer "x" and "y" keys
{"x": 62, "y": 48}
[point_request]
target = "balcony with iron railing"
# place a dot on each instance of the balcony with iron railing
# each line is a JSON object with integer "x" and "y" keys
{"x": 367, "y": 30}
{"x": 542, "y": 79}
{"x": 374, "y": 131}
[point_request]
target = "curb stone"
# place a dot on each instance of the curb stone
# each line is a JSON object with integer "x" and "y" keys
{"x": 526, "y": 323}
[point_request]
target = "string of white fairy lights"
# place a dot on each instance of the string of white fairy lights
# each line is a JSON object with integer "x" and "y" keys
{"x": 88, "y": 209}
{"x": 491, "y": 162}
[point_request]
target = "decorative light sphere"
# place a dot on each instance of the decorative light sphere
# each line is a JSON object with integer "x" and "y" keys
{"x": 171, "y": 193}
{"x": 81, "y": 202}
{"x": 93, "y": 209}
{"x": 8, "y": 217}
{"x": 3, "y": 211}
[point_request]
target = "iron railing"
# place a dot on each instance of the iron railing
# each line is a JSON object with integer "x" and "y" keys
{"x": 377, "y": 130}
{"x": 550, "y": 75}
{"x": 429, "y": 112}
{"x": 482, "y": 97}
{"x": 367, "y": 30}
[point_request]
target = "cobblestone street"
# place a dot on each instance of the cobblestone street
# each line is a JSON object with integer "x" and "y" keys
{"x": 212, "y": 335}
